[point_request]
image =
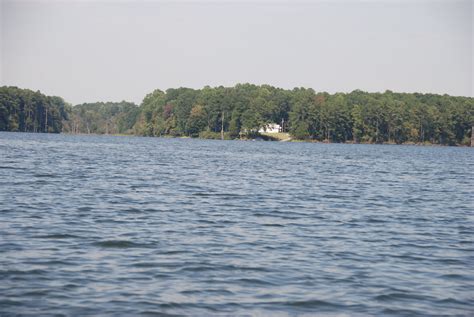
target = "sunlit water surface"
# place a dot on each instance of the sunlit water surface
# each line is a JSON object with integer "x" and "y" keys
{"x": 102, "y": 225}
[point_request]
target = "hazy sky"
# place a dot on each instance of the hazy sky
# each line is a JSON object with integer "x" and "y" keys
{"x": 90, "y": 51}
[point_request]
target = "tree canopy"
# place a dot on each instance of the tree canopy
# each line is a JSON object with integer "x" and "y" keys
{"x": 102, "y": 118}
{"x": 24, "y": 110}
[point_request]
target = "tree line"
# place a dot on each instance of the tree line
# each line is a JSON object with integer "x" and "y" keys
{"x": 102, "y": 118}
{"x": 241, "y": 111}
{"x": 24, "y": 110}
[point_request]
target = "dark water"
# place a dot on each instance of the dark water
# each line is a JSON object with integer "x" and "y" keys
{"x": 145, "y": 226}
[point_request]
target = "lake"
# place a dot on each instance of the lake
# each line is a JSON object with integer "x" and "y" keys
{"x": 103, "y": 225}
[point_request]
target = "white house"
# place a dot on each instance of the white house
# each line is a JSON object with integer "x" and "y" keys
{"x": 270, "y": 128}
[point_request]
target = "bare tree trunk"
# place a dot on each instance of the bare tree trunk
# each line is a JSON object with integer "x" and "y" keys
{"x": 222, "y": 126}
{"x": 421, "y": 136}
{"x": 472, "y": 135}
{"x": 377, "y": 132}
{"x": 27, "y": 114}
{"x": 46, "y": 120}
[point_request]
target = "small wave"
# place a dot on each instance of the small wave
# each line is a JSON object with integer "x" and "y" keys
{"x": 399, "y": 312}
{"x": 454, "y": 276}
{"x": 254, "y": 281}
{"x": 11, "y": 168}
{"x": 450, "y": 261}
{"x": 119, "y": 244}
{"x": 331, "y": 196}
{"x": 84, "y": 208}
{"x": 22, "y": 272}
{"x": 376, "y": 220}
{"x": 453, "y": 301}
{"x": 45, "y": 175}
{"x": 206, "y": 221}
{"x": 9, "y": 302}
{"x": 207, "y": 291}
{"x": 158, "y": 314}
{"x": 311, "y": 303}
{"x": 220, "y": 195}
{"x": 57, "y": 236}
{"x": 202, "y": 194}
{"x": 7, "y": 210}
{"x": 208, "y": 267}
{"x": 273, "y": 225}
{"x": 410, "y": 257}
{"x": 244, "y": 268}
{"x": 51, "y": 262}
{"x": 146, "y": 264}
{"x": 160, "y": 264}
{"x": 399, "y": 296}
{"x": 40, "y": 292}
{"x": 196, "y": 268}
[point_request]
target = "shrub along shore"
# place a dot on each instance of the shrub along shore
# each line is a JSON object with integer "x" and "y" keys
{"x": 242, "y": 111}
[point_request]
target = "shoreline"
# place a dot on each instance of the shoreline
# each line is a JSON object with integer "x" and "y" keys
{"x": 270, "y": 139}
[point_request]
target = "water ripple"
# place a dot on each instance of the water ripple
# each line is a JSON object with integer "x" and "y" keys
{"x": 118, "y": 226}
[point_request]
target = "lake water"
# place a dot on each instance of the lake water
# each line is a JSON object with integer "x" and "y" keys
{"x": 102, "y": 225}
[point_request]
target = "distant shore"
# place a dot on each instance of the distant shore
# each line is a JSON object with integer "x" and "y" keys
{"x": 263, "y": 139}
{"x": 247, "y": 111}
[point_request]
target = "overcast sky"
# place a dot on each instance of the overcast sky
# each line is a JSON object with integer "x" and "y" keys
{"x": 89, "y": 51}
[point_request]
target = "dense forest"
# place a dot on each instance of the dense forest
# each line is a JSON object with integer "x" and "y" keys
{"x": 102, "y": 118}
{"x": 241, "y": 111}
{"x": 24, "y": 110}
